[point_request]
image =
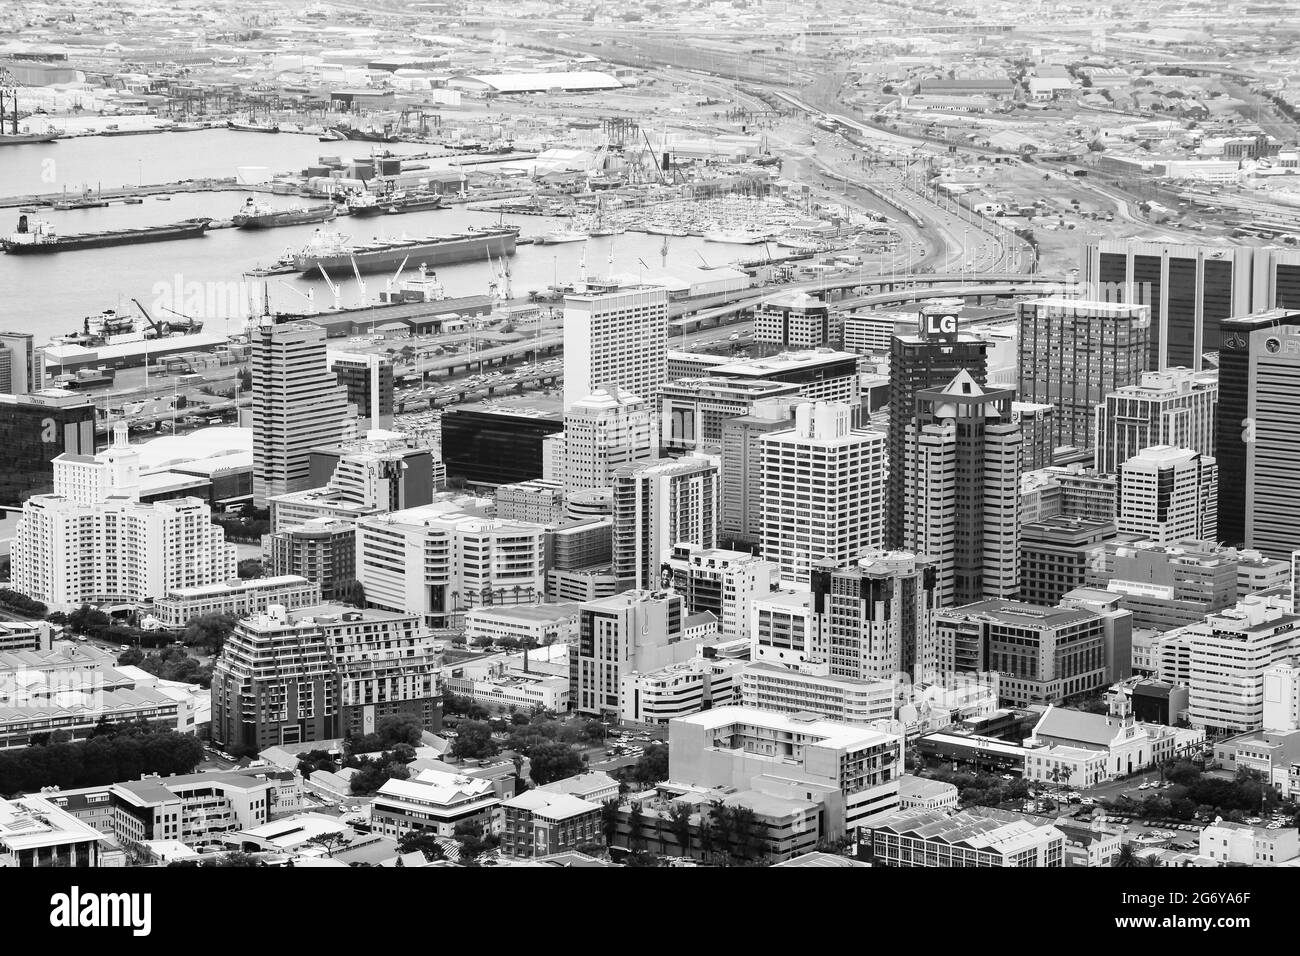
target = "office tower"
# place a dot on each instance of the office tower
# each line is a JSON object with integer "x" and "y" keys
{"x": 658, "y": 504}
{"x": 1258, "y": 432}
{"x": 927, "y": 359}
{"x": 823, "y": 491}
{"x": 724, "y": 583}
{"x": 603, "y": 432}
{"x": 615, "y": 335}
{"x": 320, "y": 673}
{"x": 66, "y": 554}
{"x": 1072, "y": 352}
{"x": 443, "y": 558}
{"x": 637, "y": 630}
{"x": 1042, "y": 655}
{"x": 1054, "y": 554}
{"x": 1174, "y": 407}
{"x": 368, "y": 381}
{"x": 498, "y": 442}
{"x": 795, "y": 320}
{"x": 297, "y": 405}
{"x": 18, "y": 372}
{"x": 693, "y": 411}
{"x": 34, "y": 430}
{"x": 873, "y": 618}
{"x": 1191, "y": 289}
{"x": 741, "y": 522}
{"x": 1168, "y": 494}
{"x": 961, "y": 476}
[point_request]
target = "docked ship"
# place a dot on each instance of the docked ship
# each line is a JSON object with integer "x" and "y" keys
{"x": 332, "y": 251}
{"x": 38, "y": 236}
{"x": 261, "y": 215}
{"x": 252, "y": 126}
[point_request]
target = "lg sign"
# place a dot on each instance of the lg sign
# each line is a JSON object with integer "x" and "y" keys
{"x": 940, "y": 324}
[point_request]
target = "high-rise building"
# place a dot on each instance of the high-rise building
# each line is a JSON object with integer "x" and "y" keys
{"x": 1073, "y": 351}
{"x": 1174, "y": 407}
{"x": 637, "y": 630}
{"x": 18, "y": 371}
{"x": 795, "y": 320}
{"x": 603, "y": 432}
{"x": 298, "y": 405}
{"x": 320, "y": 673}
{"x": 1168, "y": 494}
{"x": 872, "y": 620}
{"x": 928, "y": 359}
{"x": 1191, "y": 289}
{"x": 615, "y": 335}
{"x": 823, "y": 491}
{"x": 1258, "y": 430}
{"x": 658, "y": 504}
{"x": 693, "y": 412}
{"x": 34, "y": 430}
{"x": 961, "y": 473}
{"x": 741, "y": 521}
{"x": 725, "y": 583}
{"x": 368, "y": 381}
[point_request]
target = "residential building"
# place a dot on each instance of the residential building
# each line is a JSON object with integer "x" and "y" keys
{"x": 1173, "y": 407}
{"x": 979, "y": 837}
{"x": 235, "y": 598}
{"x": 723, "y": 582}
{"x": 615, "y": 335}
{"x": 658, "y": 504}
{"x": 1258, "y": 426}
{"x": 961, "y": 466}
{"x": 852, "y": 771}
{"x": 1075, "y": 351}
{"x": 823, "y": 491}
{"x": 538, "y": 823}
{"x": 444, "y": 558}
{"x": 286, "y": 679}
{"x": 1168, "y": 494}
{"x": 928, "y": 359}
{"x": 603, "y": 432}
{"x": 298, "y": 405}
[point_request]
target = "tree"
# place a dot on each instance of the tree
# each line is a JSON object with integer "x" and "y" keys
{"x": 474, "y": 740}
{"x": 651, "y": 766}
{"x": 554, "y": 761}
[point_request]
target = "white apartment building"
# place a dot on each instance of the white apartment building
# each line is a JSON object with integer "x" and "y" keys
{"x": 679, "y": 690}
{"x": 823, "y": 491}
{"x": 658, "y": 504}
{"x": 441, "y": 559}
{"x": 1169, "y": 495}
{"x": 615, "y": 335}
{"x": 603, "y": 432}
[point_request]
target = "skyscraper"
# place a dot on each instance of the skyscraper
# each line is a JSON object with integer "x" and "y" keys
{"x": 603, "y": 432}
{"x": 615, "y": 335}
{"x": 1174, "y": 407}
{"x": 1258, "y": 429}
{"x": 928, "y": 359}
{"x": 1072, "y": 352}
{"x": 873, "y": 618}
{"x": 823, "y": 490}
{"x": 1169, "y": 495}
{"x": 660, "y": 503}
{"x": 1191, "y": 289}
{"x": 961, "y": 475}
{"x": 298, "y": 404}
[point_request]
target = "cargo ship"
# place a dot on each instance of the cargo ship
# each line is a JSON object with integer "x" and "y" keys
{"x": 332, "y": 251}
{"x": 260, "y": 215}
{"x": 37, "y": 236}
